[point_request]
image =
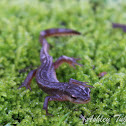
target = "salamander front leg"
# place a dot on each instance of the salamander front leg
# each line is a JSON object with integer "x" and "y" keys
{"x": 28, "y": 79}
{"x": 51, "y": 98}
{"x": 71, "y": 61}
{"x": 73, "y": 81}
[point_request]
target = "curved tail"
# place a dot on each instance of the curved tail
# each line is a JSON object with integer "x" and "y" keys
{"x": 52, "y": 32}
{"x": 56, "y": 32}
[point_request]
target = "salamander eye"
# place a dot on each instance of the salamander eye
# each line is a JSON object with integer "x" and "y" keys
{"x": 73, "y": 97}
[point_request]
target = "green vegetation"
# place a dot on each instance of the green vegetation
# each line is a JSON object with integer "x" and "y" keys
{"x": 99, "y": 45}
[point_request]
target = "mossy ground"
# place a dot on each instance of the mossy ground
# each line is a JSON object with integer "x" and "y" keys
{"x": 99, "y": 45}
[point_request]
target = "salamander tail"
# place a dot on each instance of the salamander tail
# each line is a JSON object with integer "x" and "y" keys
{"x": 57, "y": 32}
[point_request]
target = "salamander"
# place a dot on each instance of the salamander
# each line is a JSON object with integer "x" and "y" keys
{"x": 74, "y": 91}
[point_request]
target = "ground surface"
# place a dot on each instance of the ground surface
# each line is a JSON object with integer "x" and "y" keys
{"x": 99, "y": 46}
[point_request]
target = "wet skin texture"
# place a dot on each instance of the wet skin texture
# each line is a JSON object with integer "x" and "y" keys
{"x": 74, "y": 91}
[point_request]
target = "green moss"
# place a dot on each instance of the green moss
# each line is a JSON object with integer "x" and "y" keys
{"x": 99, "y": 45}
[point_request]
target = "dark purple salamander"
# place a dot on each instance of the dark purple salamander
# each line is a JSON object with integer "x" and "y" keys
{"x": 74, "y": 91}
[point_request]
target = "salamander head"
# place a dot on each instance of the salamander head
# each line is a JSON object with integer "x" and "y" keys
{"x": 78, "y": 94}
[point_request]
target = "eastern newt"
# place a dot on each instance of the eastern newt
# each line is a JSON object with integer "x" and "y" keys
{"x": 74, "y": 91}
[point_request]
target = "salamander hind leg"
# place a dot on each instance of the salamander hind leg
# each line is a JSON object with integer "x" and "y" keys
{"x": 70, "y": 60}
{"x": 28, "y": 79}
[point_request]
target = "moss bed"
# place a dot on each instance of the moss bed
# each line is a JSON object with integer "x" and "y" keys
{"x": 99, "y": 46}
